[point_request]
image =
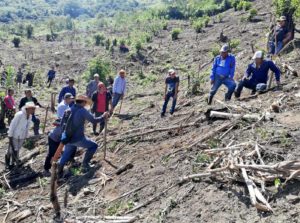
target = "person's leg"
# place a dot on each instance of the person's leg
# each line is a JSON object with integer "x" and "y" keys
{"x": 173, "y": 105}
{"x": 251, "y": 85}
{"x": 116, "y": 99}
{"x": 231, "y": 85}
{"x": 18, "y": 143}
{"x": 214, "y": 89}
{"x": 36, "y": 124}
{"x": 279, "y": 47}
{"x": 97, "y": 114}
{"x": 164, "y": 108}
{"x": 271, "y": 47}
{"x": 51, "y": 151}
{"x": 102, "y": 124}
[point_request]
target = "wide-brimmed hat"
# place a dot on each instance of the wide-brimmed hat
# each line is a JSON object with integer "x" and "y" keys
{"x": 281, "y": 18}
{"x": 84, "y": 98}
{"x": 30, "y": 105}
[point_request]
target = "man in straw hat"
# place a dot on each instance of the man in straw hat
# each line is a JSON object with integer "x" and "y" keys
{"x": 280, "y": 37}
{"x": 119, "y": 88}
{"x": 18, "y": 132}
{"x": 256, "y": 76}
{"x": 222, "y": 73}
{"x": 92, "y": 86}
{"x": 171, "y": 91}
{"x": 79, "y": 114}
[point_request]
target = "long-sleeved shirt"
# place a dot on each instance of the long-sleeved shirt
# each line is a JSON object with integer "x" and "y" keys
{"x": 119, "y": 86}
{"x": 20, "y": 125}
{"x": 65, "y": 90}
{"x": 223, "y": 67}
{"x": 61, "y": 108}
{"x": 25, "y": 100}
{"x": 51, "y": 74}
{"x": 91, "y": 88}
{"x": 80, "y": 116}
{"x": 260, "y": 75}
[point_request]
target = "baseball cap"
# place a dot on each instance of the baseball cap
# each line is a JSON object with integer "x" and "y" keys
{"x": 258, "y": 55}
{"x": 68, "y": 95}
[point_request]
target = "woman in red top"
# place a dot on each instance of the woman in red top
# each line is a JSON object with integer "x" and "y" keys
{"x": 101, "y": 102}
{"x": 10, "y": 109}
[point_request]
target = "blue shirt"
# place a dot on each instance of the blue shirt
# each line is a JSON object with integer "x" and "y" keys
{"x": 61, "y": 108}
{"x": 80, "y": 117}
{"x": 55, "y": 134}
{"x": 51, "y": 74}
{"x": 119, "y": 86}
{"x": 65, "y": 90}
{"x": 260, "y": 75}
{"x": 223, "y": 67}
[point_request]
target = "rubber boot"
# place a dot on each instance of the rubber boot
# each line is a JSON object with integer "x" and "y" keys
{"x": 7, "y": 160}
{"x": 209, "y": 100}
{"x": 87, "y": 158}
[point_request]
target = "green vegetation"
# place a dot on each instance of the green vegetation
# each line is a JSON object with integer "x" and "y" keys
{"x": 252, "y": 14}
{"x": 175, "y": 33}
{"x": 202, "y": 158}
{"x": 99, "y": 39}
{"x": 98, "y": 66}
{"x": 10, "y": 76}
{"x": 287, "y": 7}
{"x": 120, "y": 206}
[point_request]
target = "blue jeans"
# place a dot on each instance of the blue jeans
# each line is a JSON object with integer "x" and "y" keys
{"x": 168, "y": 97}
{"x": 116, "y": 99}
{"x": 247, "y": 84}
{"x": 273, "y": 49}
{"x": 229, "y": 83}
{"x": 90, "y": 145}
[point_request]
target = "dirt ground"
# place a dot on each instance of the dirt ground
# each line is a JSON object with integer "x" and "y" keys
{"x": 161, "y": 158}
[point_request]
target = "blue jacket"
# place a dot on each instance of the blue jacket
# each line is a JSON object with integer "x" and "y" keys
{"x": 51, "y": 74}
{"x": 65, "y": 90}
{"x": 225, "y": 68}
{"x": 80, "y": 117}
{"x": 260, "y": 75}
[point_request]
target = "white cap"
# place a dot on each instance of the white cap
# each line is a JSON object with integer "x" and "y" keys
{"x": 96, "y": 75}
{"x": 171, "y": 71}
{"x": 258, "y": 55}
{"x": 224, "y": 48}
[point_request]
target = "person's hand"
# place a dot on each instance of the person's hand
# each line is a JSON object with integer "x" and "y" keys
{"x": 212, "y": 82}
{"x": 106, "y": 115}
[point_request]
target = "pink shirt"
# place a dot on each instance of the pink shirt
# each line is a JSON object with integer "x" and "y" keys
{"x": 9, "y": 102}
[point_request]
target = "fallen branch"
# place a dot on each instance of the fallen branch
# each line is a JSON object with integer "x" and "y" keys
{"x": 251, "y": 117}
{"x": 128, "y": 193}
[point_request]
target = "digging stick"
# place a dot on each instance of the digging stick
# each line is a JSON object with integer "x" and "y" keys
{"x": 45, "y": 121}
{"x": 121, "y": 105}
{"x": 105, "y": 134}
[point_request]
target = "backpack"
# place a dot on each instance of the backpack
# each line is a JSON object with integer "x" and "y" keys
{"x": 68, "y": 126}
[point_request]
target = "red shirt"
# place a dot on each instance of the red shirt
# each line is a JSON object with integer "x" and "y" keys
{"x": 9, "y": 102}
{"x": 101, "y": 102}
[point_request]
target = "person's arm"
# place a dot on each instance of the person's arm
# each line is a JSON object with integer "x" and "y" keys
{"x": 287, "y": 38}
{"x": 115, "y": 85}
{"x": 232, "y": 68}
{"x": 276, "y": 71}
{"x": 248, "y": 72}
{"x": 13, "y": 125}
{"x": 22, "y": 103}
{"x": 89, "y": 117}
{"x": 213, "y": 71}
{"x": 166, "y": 88}
{"x": 37, "y": 103}
{"x": 176, "y": 88}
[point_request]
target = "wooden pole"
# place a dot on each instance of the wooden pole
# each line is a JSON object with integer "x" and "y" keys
{"x": 105, "y": 134}
{"x": 45, "y": 121}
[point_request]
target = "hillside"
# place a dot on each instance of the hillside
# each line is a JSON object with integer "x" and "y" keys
{"x": 164, "y": 151}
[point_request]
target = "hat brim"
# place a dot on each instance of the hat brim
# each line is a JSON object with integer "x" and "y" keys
{"x": 88, "y": 101}
{"x": 35, "y": 107}
{"x": 281, "y": 20}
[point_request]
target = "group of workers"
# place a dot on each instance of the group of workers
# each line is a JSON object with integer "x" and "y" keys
{"x": 72, "y": 112}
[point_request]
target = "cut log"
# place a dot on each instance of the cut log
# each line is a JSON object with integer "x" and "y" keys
{"x": 22, "y": 215}
{"x": 124, "y": 168}
{"x": 250, "y": 117}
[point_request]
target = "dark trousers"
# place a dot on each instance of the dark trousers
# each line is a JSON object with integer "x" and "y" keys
{"x": 102, "y": 124}
{"x": 36, "y": 124}
{"x": 167, "y": 99}
{"x": 51, "y": 151}
{"x": 50, "y": 79}
{"x": 250, "y": 84}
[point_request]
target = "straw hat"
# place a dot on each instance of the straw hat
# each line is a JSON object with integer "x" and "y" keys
{"x": 84, "y": 98}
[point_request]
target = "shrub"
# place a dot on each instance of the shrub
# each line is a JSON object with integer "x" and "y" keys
{"x": 10, "y": 76}
{"x": 175, "y": 33}
{"x": 29, "y": 31}
{"x": 99, "y": 39}
{"x": 252, "y": 14}
{"x": 165, "y": 26}
{"x": 215, "y": 50}
{"x": 107, "y": 44}
{"x": 16, "y": 41}
{"x": 115, "y": 42}
{"x": 234, "y": 43}
{"x": 138, "y": 46}
{"x": 247, "y": 6}
{"x": 99, "y": 66}
{"x": 206, "y": 21}
{"x": 198, "y": 26}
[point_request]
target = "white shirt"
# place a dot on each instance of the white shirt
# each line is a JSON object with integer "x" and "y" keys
{"x": 20, "y": 125}
{"x": 62, "y": 107}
